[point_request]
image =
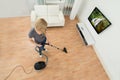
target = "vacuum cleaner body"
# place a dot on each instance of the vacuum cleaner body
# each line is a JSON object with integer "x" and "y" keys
{"x": 39, "y": 65}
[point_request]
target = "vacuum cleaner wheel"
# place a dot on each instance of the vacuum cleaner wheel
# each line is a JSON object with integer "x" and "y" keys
{"x": 39, "y": 65}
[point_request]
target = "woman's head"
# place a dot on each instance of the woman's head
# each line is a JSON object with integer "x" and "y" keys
{"x": 41, "y": 26}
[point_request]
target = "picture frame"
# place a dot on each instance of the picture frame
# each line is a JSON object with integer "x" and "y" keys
{"x": 98, "y": 20}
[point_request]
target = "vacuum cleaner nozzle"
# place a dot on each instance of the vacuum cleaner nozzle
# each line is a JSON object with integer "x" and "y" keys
{"x": 65, "y": 50}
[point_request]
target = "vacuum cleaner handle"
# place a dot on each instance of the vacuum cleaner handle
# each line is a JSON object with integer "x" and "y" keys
{"x": 64, "y": 49}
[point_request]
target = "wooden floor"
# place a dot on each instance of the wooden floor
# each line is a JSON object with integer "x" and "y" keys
{"x": 81, "y": 62}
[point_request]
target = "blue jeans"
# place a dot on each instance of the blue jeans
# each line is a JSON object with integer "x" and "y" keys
{"x": 42, "y": 47}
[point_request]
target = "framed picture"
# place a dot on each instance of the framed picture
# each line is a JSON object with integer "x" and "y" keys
{"x": 98, "y": 20}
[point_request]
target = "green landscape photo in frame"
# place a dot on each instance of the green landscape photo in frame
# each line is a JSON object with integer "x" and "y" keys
{"x": 98, "y": 20}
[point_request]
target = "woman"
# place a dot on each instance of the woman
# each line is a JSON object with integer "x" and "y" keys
{"x": 37, "y": 35}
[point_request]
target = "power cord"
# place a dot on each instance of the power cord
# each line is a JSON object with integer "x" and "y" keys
{"x": 31, "y": 69}
{"x": 15, "y": 69}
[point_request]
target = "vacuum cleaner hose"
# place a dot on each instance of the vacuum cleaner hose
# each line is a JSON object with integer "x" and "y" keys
{"x": 41, "y": 64}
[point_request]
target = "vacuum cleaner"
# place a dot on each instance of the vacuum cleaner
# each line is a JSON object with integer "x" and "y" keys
{"x": 42, "y": 64}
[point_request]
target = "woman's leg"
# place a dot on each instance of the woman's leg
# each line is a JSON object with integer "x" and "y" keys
{"x": 42, "y": 47}
{"x": 40, "y": 50}
{"x": 43, "y": 44}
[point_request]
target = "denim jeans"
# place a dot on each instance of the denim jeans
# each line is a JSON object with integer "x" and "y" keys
{"x": 42, "y": 46}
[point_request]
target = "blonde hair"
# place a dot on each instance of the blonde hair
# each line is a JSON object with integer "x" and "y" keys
{"x": 41, "y": 25}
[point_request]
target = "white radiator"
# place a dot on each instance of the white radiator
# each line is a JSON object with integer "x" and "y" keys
{"x": 68, "y": 7}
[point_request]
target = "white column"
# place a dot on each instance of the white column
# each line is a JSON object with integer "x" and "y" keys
{"x": 75, "y": 9}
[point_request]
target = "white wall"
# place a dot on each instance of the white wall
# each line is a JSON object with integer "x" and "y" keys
{"x": 14, "y": 8}
{"x": 108, "y": 42}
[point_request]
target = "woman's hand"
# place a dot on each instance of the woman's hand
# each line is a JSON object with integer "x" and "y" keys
{"x": 39, "y": 45}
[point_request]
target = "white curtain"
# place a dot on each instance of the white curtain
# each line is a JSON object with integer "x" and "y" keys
{"x": 75, "y": 9}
